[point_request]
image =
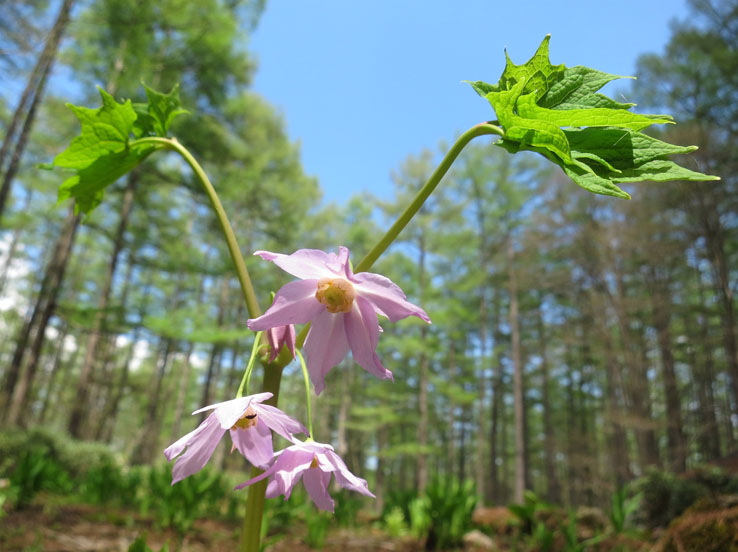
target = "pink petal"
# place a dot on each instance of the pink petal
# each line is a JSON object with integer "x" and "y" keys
{"x": 325, "y": 346}
{"x": 362, "y": 331}
{"x": 304, "y": 263}
{"x": 386, "y": 297}
{"x": 316, "y": 483}
{"x": 200, "y": 447}
{"x": 295, "y": 303}
{"x": 278, "y": 421}
{"x": 347, "y": 479}
{"x": 254, "y": 443}
{"x": 286, "y": 470}
{"x": 279, "y": 337}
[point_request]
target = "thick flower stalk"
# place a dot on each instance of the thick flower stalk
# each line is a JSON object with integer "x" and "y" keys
{"x": 313, "y": 463}
{"x": 249, "y": 423}
{"x": 341, "y": 306}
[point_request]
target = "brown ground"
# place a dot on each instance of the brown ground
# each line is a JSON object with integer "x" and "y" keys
{"x": 83, "y": 528}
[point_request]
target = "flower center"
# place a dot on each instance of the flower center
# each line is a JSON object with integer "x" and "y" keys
{"x": 314, "y": 463}
{"x": 336, "y": 294}
{"x": 247, "y": 420}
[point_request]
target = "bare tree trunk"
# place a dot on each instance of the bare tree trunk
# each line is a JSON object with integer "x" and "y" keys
{"x": 55, "y": 367}
{"x": 676, "y": 440}
{"x": 34, "y": 89}
{"x": 553, "y": 490}
{"x": 44, "y": 309}
{"x": 714, "y": 234}
{"x": 421, "y": 465}
{"x": 76, "y": 418}
{"x": 497, "y": 493}
{"x": 703, "y": 374}
{"x": 451, "y": 417}
{"x": 214, "y": 362}
{"x": 15, "y": 240}
{"x": 106, "y": 424}
{"x": 143, "y": 452}
{"x": 520, "y": 456}
{"x": 381, "y": 468}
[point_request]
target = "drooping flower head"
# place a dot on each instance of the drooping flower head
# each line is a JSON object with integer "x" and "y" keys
{"x": 249, "y": 423}
{"x": 278, "y": 337}
{"x": 313, "y": 463}
{"x": 342, "y": 307}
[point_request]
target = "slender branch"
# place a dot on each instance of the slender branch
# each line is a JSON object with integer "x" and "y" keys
{"x": 243, "y": 275}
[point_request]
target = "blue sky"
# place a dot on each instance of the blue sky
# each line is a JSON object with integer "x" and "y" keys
{"x": 364, "y": 84}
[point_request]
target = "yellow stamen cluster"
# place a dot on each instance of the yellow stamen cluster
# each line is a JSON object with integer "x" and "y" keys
{"x": 247, "y": 420}
{"x": 314, "y": 463}
{"x": 336, "y": 294}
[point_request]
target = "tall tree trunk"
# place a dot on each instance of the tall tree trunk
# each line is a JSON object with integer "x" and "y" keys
{"x": 615, "y": 396}
{"x": 553, "y": 490}
{"x": 703, "y": 374}
{"x": 497, "y": 493}
{"x": 33, "y": 92}
{"x": 214, "y": 362}
{"x": 76, "y": 418}
{"x": 676, "y": 440}
{"x": 14, "y": 242}
{"x": 55, "y": 368}
{"x": 144, "y": 450}
{"x": 520, "y": 456}
{"x": 106, "y": 423}
{"x": 421, "y": 465}
{"x": 714, "y": 234}
{"x": 451, "y": 415}
{"x": 42, "y": 312}
{"x": 638, "y": 387}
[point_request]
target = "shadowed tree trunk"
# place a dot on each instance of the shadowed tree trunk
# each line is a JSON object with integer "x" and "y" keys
{"x": 553, "y": 491}
{"x": 520, "y": 456}
{"x": 76, "y": 418}
{"x": 676, "y": 440}
{"x": 421, "y": 466}
{"x": 36, "y": 326}
{"x": 33, "y": 93}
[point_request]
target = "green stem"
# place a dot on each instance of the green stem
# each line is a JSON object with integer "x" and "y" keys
{"x": 251, "y": 528}
{"x": 391, "y": 234}
{"x": 243, "y": 275}
{"x": 306, "y": 377}
{"x": 246, "y": 379}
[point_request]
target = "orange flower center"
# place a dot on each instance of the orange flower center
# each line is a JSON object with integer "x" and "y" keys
{"x": 336, "y": 294}
{"x": 314, "y": 463}
{"x": 247, "y": 420}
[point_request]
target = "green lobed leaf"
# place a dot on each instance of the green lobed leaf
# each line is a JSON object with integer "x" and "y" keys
{"x": 559, "y": 113}
{"x": 156, "y": 116}
{"x": 103, "y": 152}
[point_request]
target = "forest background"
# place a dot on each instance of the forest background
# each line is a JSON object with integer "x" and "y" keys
{"x": 615, "y": 318}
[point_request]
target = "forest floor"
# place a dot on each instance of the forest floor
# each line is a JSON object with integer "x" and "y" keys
{"x": 85, "y": 528}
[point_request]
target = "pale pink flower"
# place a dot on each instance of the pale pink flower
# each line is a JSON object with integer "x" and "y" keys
{"x": 342, "y": 307}
{"x": 313, "y": 463}
{"x": 278, "y": 337}
{"x": 249, "y": 423}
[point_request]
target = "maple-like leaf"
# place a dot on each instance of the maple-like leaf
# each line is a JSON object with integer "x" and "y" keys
{"x": 105, "y": 149}
{"x": 559, "y": 113}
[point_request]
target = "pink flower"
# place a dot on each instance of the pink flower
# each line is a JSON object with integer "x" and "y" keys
{"x": 314, "y": 463}
{"x": 278, "y": 337}
{"x": 249, "y": 423}
{"x": 341, "y": 305}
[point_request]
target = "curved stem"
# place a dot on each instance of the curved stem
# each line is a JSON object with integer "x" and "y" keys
{"x": 478, "y": 130}
{"x": 307, "y": 392}
{"x": 249, "y": 367}
{"x": 243, "y": 275}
